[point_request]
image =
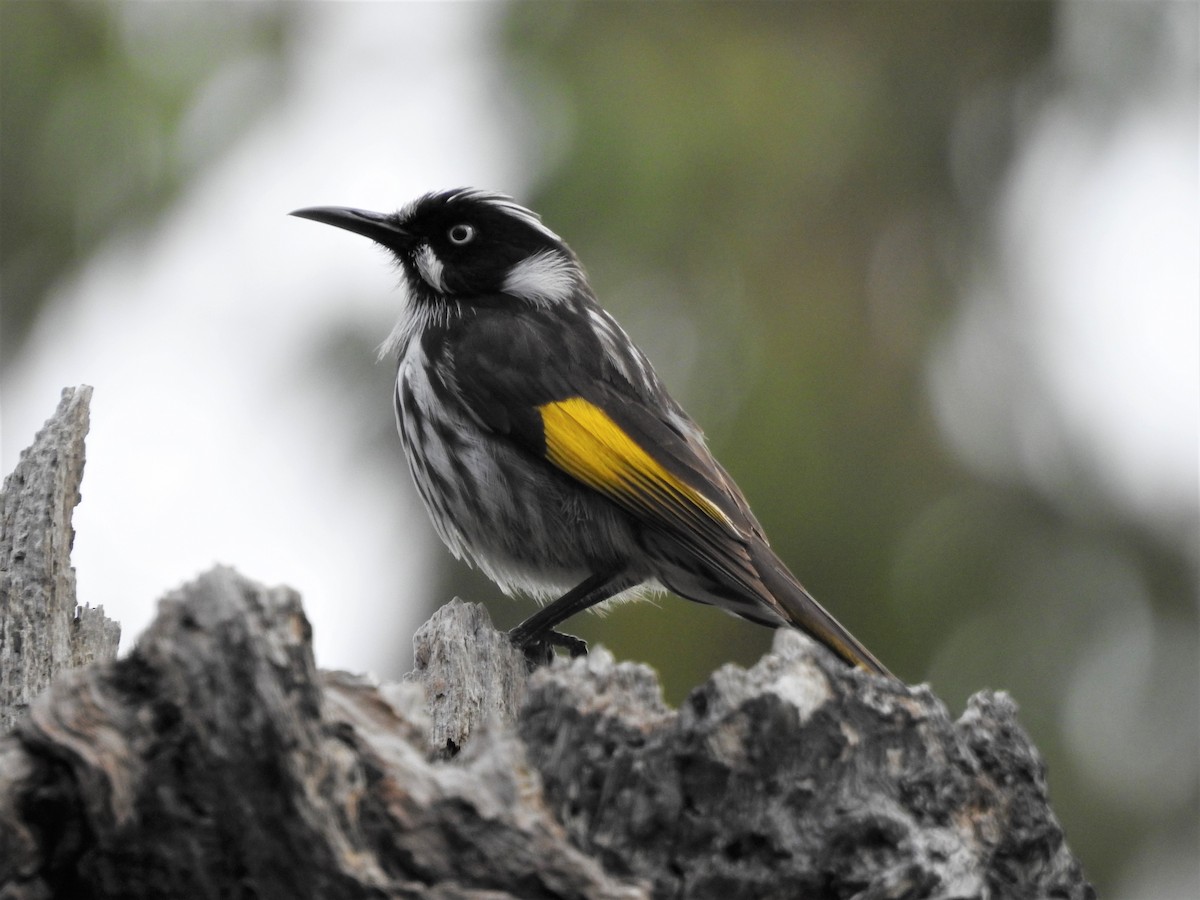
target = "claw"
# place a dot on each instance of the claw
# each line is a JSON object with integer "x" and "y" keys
{"x": 539, "y": 650}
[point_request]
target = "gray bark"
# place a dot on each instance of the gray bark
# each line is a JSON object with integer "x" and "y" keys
{"x": 215, "y": 760}
{"x": 42, "y": 630}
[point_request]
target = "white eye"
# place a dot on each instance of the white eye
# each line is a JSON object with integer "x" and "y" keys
{"x": 461, "y": 234}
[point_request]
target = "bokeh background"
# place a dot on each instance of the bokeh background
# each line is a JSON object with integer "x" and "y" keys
{"x": 927, "y": 273}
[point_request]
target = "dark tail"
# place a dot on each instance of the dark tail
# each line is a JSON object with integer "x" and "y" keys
{"x": 808, "y": 615}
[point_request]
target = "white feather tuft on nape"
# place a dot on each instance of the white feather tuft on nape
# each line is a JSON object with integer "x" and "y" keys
{"x": 545, "y": 278}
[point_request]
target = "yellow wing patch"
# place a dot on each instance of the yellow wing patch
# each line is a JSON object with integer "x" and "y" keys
{"x": 583, "y": 441}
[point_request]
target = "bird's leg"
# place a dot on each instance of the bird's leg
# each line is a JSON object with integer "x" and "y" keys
{"x": 536, "y": 635}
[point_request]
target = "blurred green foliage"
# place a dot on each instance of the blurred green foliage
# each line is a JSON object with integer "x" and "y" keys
{"x": 768, "y": 196}
{"x": 107, "y": 111}
{"x": 779, "y": 175}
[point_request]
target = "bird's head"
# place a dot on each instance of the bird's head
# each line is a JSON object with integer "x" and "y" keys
{"x": 466, "y": 246}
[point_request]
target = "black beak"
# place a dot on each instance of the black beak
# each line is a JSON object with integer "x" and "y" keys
{"x": 379, "y": 227}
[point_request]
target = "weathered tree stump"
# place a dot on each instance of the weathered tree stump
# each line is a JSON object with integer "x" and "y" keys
{"x": 42, "y": 631}
{"x": 215, "y": 760}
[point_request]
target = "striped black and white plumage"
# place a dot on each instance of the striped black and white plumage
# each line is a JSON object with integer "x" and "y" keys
{"x": 544, "y": 446}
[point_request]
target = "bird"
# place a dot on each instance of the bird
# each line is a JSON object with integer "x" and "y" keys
{"x": 543, "y": 444}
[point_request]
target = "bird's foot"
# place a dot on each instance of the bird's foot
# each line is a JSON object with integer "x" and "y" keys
{"x": 539, "y": 649}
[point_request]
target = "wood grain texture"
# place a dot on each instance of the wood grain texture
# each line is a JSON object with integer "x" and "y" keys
{"x": 215, "y": 760}
{"x": 42, "y": 631}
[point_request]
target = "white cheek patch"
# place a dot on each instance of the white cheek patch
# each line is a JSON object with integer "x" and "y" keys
{"x": 544, "y": 278}
{"x": 430, "y": 268}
